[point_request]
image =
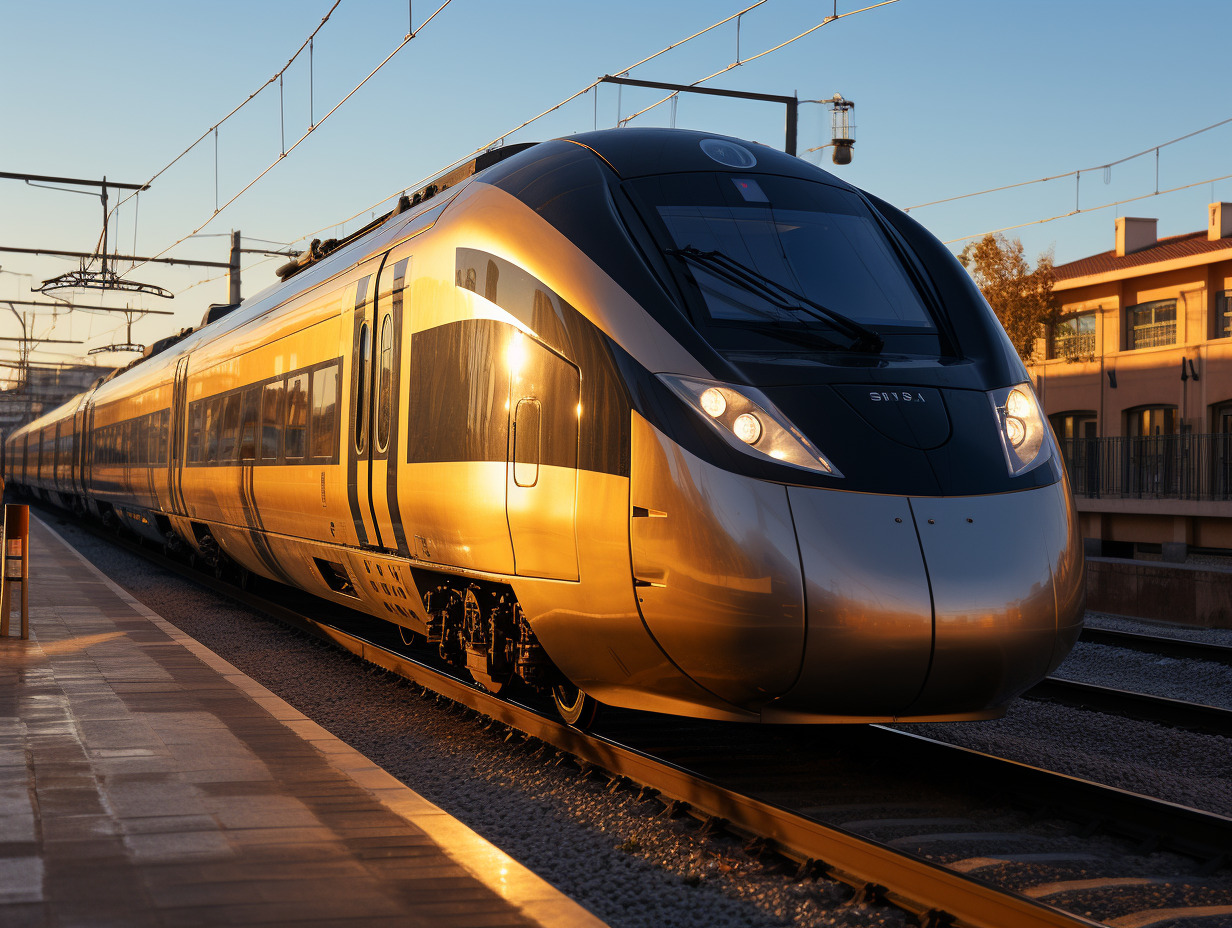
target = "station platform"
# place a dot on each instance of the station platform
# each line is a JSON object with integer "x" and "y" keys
{"x": 146, "y": 781}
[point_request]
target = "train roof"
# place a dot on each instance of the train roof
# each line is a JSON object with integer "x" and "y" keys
{"x": 639, "y": 152}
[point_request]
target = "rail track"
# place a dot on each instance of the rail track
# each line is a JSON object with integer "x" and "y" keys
{"x": 895, "y": 850}
{"x": 1175, "y": 713}
{"x": 1162, "y": 645}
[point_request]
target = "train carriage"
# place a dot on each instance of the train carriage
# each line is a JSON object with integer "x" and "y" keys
{"x": 649, "y": 417}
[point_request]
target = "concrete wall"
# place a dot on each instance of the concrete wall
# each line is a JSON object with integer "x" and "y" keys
{"x": 1167, "y": 593}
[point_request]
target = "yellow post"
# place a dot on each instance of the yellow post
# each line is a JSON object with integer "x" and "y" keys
{"x": 16, "y": 565}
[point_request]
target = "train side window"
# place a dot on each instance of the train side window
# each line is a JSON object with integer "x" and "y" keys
{"x": 248, "y": 425}
{"x": 295, "y": 439}
{"x": 361, "y": 392}
{"x": 151, "y": 438}
{"x": 230, "y": 429}
{"x": 196, "y": 413}
{"x": 385, "y": 383}
{"x": 164, "y": 427}
{"x": 271, "y": 420}
{"x": 324, "y": 412}
{"x": 209, "y": 436}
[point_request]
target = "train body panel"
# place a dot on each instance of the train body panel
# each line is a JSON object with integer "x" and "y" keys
{"x": 591, "y": 419}
{"x": 716, "y": 571}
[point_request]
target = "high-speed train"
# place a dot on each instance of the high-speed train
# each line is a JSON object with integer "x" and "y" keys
{"x": 654, "y": 418}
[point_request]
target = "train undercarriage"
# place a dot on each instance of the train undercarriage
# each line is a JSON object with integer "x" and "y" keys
{"x": 475, "y": 626}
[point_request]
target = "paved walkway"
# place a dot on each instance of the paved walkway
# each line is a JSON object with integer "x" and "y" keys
{"x": 146, "y": 781}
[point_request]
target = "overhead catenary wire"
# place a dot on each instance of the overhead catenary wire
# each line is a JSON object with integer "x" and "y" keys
{"x": 592, "y": 87}
{"x": 1089, "y": 209}
{"x": 287, "y": 150}
{"x": 214, "y": 128}
{"x": 552, "y": 109}
{"x": 825, "y": 22}
{"x": 1099, "y": 167}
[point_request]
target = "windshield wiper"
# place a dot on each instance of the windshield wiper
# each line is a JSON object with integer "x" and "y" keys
{"x": 794, "y": 335}
{"x": 779, "y": 295}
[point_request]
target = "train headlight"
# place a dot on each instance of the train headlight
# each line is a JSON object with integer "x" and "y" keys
{"x": 1024, "y": 433}
{"x": 713, "y": 402}
{"x": 747, "y": 428}
{"x": 749, "y": 421}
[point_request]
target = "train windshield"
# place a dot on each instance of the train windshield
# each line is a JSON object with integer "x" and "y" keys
{"x": 785, "y": 259}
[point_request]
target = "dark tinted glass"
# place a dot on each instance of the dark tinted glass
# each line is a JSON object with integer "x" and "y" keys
{"x": 230, "y": 428}
{"x": 816, "y": 240}
{"x": 271, "y": 420}
{"x": 324, "y": 411}
{"x": 248, "y": 425}
{"x": 295, "y": 437}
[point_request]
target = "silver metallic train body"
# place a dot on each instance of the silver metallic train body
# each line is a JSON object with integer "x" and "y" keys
{"x": 614, "y": 416}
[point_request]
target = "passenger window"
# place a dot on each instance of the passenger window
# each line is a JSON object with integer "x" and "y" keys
{"x": 324, "y": 412}
{"x": 248, "y": 425}
{"x": 230, "y": 429}
{"x": 195, "y": 414}
{"x": 210, "y": 430}
{"x": 164, "y": 426}
{"x": 271, "y": 420}
{"x": 527, "y": 420}
{"x": 297, "y": 417}
{"x": 385, "y": 384}
{"x": 152, "y": 422}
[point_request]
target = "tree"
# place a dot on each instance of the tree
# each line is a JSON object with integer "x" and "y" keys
{"x": 1021, "y": 297}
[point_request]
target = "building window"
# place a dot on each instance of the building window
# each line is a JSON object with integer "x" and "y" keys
{"x": 1071, "y": 425}
{"x": 1150, "y": 421}
{"x": 1078, "y": 439}
{"x": 1223, "y": 314}
{"x": 1074, "y": 338}
{"x": 1151, "y": 324}
{"x": 1152, "y": 465}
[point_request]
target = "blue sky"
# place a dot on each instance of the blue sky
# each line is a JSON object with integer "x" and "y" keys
{"x": 952, "y": 97}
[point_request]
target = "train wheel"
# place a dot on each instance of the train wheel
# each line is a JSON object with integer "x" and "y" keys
{"x": 574, "y": 706}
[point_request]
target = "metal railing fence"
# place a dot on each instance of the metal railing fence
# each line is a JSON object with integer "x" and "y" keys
{"x": 1190, "y": 466}
{"x": 1153, "y": 334}
{"x": 1074, "y": 346}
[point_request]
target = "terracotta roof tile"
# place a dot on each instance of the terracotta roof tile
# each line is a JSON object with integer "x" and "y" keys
{"x": 1166, "y": 249}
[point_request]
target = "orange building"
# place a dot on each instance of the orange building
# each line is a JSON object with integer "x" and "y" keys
{"x": 1136, "y": 378}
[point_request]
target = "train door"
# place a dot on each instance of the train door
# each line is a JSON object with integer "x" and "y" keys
{"x": 80, "y": 420}
{"x": 179, "y": 426}
{"x": 385, "y": 434}
{"x": 541, "y": 471}
{"x": 57, "y": 458}
{"x": 87, "y": 451}
{"x": 362, "y": 387}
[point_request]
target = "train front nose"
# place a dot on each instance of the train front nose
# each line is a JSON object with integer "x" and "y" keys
{"x": 928, "y": 607}
{"x": 1007, "y": 581}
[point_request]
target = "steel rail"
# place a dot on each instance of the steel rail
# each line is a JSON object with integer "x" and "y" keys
{"x": 1162, "y": 645}
{"x": 1205, "y": 835}
{"x": 930, "y": 891}
{"x": 1175, "y": 713}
